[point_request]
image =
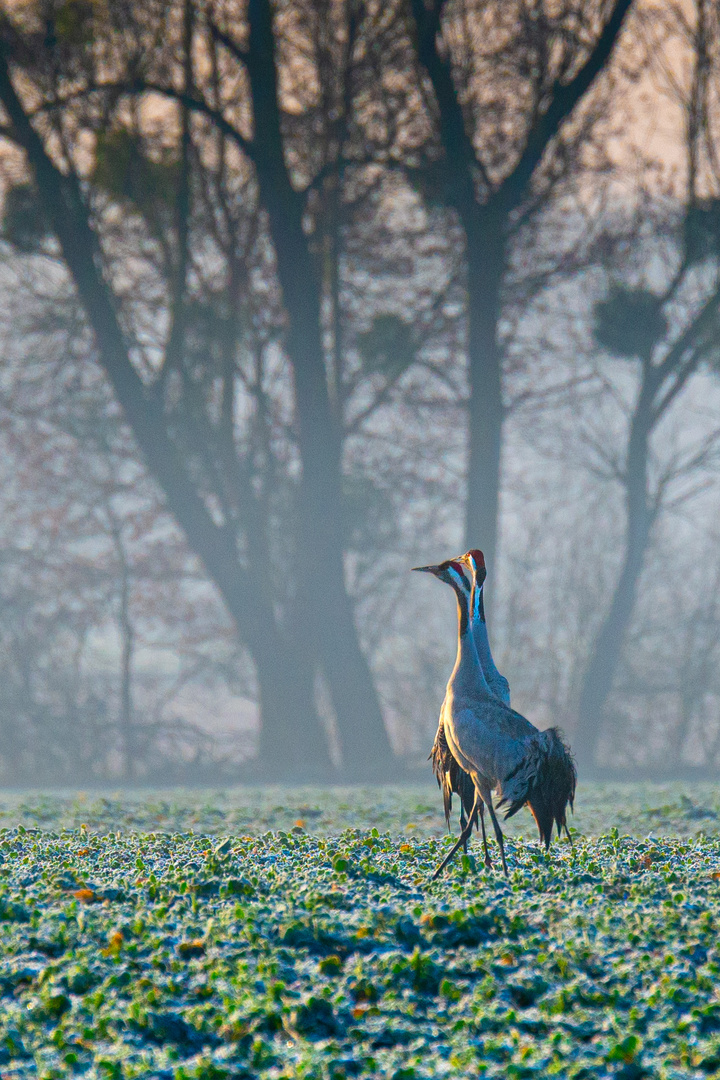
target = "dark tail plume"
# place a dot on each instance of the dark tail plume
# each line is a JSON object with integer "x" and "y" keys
{"x": 545, "y": 780}
{"x": 553, "y": 789}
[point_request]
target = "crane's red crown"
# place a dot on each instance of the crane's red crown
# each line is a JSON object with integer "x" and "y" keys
{"x": 478, "y": 558}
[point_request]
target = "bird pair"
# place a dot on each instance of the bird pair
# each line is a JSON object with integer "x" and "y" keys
{"x": 482, "y": 744}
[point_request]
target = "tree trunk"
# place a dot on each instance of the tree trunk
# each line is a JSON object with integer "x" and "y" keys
{"x": 293, "y": 746}
{"x": 285, "y": 688}
{"x": 323, "y": 607}
{"x": 366, "y": 751}
{"x": 127, "y": 635}
{"x": 607, "y": 650}
{"x": 486, "y": 267}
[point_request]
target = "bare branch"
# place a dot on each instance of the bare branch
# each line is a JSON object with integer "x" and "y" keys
{"x": 565, "y": 96}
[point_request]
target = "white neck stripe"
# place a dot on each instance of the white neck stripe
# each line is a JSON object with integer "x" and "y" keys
{"x": 476, "y": 605}
{"x": 458, "y": 578}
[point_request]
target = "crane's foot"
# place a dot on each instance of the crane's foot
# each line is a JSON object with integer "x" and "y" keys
{"x": 462, "y": 840}
{"x": 444, "y": 863}
{"x": 504, "y": 862}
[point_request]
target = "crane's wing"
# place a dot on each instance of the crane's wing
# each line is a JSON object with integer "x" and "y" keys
{"x": 503, "y": 747}
{"x": 450, "y": 776}
{"x": 500, "y": 687}
{"x": 545, "y": 779}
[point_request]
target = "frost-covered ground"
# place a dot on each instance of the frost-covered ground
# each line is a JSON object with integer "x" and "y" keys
{"x": 295, "y": 933}
{"x": 637, "y": 809}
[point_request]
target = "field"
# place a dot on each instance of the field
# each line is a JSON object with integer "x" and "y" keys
{"x": 295, "y": 934}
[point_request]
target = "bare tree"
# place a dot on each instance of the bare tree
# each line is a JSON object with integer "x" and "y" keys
{"x": 671, "y": 335}
{"x": 92, "y": 569}
{"x": 512, "y": 104}
{"x": 183, "y": 416}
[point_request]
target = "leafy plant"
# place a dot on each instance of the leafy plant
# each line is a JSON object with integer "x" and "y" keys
{"x": 312, "y": 968}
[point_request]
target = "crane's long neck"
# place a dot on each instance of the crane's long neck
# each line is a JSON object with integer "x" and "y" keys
{"x": 480, "y": 633}
{"x": 467, "y": 666}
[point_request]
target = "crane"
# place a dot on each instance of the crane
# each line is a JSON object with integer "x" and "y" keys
{"x": 497, "y": 683}
{"x": 554, "y": 791}
{"x": 451, "y": 778}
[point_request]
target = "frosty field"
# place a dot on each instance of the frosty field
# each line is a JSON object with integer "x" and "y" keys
{"x": 295, "y": 934}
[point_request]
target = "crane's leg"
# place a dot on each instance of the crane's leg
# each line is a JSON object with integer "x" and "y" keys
{"x": 462, "y": 839}
{"x": 488, "y": 863}
{"x": 498, "y": 833}
{"x": 463, "y": 826}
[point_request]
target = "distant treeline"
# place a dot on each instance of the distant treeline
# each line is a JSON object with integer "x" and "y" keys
{"x": 300, "y": 294}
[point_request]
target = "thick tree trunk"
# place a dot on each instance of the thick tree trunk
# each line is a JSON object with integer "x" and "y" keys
{"x": 293, "y": 745}
{"x": 285, "y": 686}
{"x": 323, "y": 606}
{"x": 324, "y": 615}
{"x": 607, "y": 650}
{"x": 366, "y": 751}
{"x": 486, "y": 267}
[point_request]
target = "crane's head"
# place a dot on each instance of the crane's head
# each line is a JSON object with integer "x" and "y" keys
{"x": 475, "y": 562}
{"x": 451, "y": 572}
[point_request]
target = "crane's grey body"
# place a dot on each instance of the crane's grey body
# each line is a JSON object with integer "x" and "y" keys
{"x": 490, "y": 741}
{"x": 451, "y": 776}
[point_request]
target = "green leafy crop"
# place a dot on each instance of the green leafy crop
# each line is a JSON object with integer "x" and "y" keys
{"x": 165, "y": 954}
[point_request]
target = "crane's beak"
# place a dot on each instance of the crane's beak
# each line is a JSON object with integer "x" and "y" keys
{"x": 427, "y": 569}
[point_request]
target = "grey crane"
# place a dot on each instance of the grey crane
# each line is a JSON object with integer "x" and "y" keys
{"x": 554, "y": 788}
{"x": 451, "y": 778}
{"x": 498, "y": 747}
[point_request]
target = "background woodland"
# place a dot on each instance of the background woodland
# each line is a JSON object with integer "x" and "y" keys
{"x": 299, "y": 295}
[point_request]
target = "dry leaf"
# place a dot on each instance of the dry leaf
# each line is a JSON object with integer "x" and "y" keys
{"x": 86, "y": 896}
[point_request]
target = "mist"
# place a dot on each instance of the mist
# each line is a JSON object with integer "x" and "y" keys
{"x": 296, "y": 299}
